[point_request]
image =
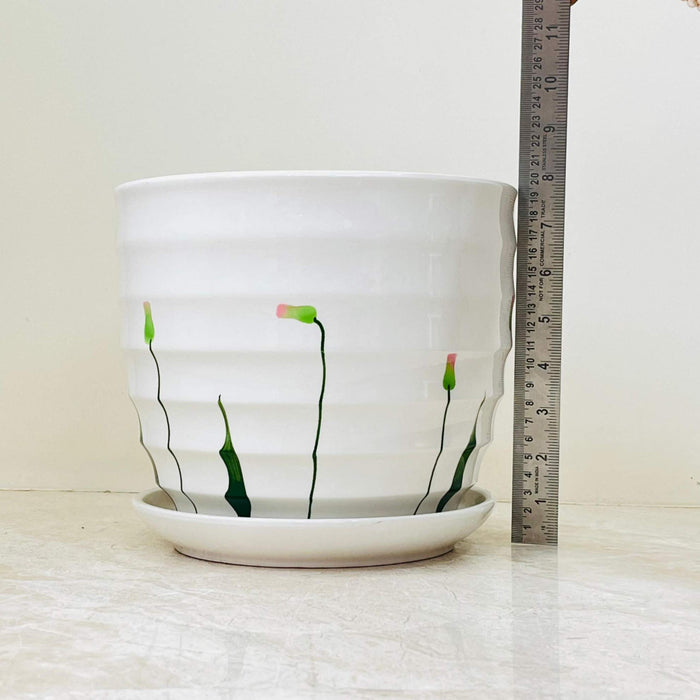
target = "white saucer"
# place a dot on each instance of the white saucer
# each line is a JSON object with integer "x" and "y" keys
{"x": 318, "y": 543}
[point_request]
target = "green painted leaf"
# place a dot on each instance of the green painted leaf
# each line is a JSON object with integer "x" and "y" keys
{"x": 461, "y": 465}
{"x": 236, "y": 493}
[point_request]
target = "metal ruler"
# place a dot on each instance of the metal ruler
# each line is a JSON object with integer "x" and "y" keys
{"x": 540, "y": 268}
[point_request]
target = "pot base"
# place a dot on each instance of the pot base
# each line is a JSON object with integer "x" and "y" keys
{"x": 316, "y": 543}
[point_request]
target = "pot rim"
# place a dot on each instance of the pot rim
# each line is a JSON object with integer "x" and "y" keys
{"x": 329, "y": 174}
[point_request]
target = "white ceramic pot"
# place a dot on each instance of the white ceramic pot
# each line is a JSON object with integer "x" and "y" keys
{"x": 356, "y": 406}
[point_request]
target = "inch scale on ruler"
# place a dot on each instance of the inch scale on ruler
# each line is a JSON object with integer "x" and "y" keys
{"x": 540, "y": 267}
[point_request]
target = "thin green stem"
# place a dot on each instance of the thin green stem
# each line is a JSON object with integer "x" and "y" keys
{"x": 320, "y": 413}
{"x": 442, "y": 444}
{"x": 167, "y": 422}
{"x": 148, "y": 452}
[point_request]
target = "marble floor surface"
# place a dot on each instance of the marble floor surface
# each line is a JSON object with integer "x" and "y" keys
{"x": 92, "y": 605}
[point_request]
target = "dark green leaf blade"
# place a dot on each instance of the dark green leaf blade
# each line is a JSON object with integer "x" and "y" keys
{"x": 461, "y": 465}
{"x": 235, "y": 494}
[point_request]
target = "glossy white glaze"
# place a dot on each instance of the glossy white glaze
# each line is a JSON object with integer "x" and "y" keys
{"x": 402, "y": 268}
{"x": 315, "y": 543}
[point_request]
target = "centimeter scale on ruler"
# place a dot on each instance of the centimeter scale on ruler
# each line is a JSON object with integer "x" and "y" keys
{"x": 540, "y": 267}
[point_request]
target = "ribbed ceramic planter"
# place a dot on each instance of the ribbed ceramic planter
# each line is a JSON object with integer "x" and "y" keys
{"x": 381, "y": 392}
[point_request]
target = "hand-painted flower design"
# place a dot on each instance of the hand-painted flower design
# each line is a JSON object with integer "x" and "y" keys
{"x": 448, "y": 383}
{"x": 149, "y": 334}
{"x": 307, "y": 314}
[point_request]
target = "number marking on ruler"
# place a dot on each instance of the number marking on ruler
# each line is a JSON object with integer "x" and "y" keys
{"x": 540, "y": 267}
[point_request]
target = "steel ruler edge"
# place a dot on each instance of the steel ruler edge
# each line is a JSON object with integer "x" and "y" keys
{"x": 539, "y": 271}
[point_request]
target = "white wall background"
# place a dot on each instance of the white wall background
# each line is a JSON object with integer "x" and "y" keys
{"x": 98, "y": 92}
